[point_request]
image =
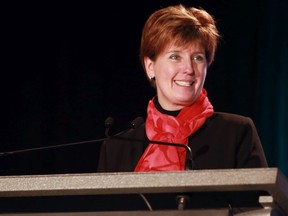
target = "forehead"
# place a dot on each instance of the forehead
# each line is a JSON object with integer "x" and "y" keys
{"x": 193, "y": 46}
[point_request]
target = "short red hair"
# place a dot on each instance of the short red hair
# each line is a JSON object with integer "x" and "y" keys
{"x": 180, "y": 25}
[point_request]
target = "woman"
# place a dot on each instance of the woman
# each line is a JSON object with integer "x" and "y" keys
{"x": 178, "y": 44}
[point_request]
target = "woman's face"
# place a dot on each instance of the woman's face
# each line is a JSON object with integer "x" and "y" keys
{"x": 179, "y": 73}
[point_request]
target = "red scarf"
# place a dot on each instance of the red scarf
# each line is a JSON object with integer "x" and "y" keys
{"x": 166, "y": 128}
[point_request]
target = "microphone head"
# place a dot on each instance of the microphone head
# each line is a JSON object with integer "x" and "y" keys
{"x": 109, "y": 122}
{"x": 137, "y": 122}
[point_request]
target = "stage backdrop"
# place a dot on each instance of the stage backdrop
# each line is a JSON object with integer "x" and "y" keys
{"x": 67, "y": 67}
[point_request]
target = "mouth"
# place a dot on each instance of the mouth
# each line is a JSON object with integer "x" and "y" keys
{"x": 184, "y": 83}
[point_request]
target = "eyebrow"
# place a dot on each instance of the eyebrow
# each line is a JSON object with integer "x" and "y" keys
{"x": 178, "y": 51}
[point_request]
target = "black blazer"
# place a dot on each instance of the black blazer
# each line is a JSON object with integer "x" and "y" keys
{"x": 224, "y": 141}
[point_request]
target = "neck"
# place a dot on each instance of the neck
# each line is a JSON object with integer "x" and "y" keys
{"x": 164, "y": 111}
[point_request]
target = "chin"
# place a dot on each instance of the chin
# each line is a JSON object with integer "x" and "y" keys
{"x": 185, "y": 103}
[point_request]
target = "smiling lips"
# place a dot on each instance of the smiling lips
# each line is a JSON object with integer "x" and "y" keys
{"x": 184, "y": 83}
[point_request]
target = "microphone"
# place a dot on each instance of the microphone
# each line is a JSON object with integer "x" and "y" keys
{"x": 189, "y": 165}
{"x": 137, "y": 122}
{"x": 133, "y": 125}
{"x": 51, "y": 147}
{"x": 109, "y": 122}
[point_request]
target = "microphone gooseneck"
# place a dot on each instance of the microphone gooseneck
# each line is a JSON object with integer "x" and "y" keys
{"x": 51, "y": 147}
{"x": 109, "y": 122}
{"x": 189, "y": 165}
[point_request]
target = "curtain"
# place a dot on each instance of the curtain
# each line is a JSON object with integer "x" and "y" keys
{"x": 272, "y": 90}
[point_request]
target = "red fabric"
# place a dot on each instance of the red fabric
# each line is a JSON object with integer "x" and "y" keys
{"x": 166, "y": 128}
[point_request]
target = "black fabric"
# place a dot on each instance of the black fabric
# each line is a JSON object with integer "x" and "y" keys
{"x": 160, "y": 109}
{"x": 224, "y": 141}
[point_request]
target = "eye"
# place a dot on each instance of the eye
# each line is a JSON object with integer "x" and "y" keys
{"x": 174, "y": 57}
{"x": 199, "y": 58}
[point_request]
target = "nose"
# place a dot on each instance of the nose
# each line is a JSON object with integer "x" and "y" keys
{"x": 188, "y": 68}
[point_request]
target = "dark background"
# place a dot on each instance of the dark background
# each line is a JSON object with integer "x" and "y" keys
{"x": 67, "y": 67}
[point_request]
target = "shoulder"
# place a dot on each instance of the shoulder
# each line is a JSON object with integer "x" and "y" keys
{"x": 230, "y": 118}
{"x": 229, "y": 123}
{"x": 136, "y": 132}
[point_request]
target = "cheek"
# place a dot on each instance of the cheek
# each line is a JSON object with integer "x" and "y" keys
{"x": 201, "y": 72}
{"x": 204, "y": 73}
{"x": 164, "y": 72}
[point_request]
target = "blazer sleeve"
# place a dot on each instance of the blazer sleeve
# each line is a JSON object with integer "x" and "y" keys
{"x": 250, "y": 153}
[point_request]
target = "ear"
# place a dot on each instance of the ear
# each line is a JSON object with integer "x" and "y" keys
{"x": 149, "y": 67}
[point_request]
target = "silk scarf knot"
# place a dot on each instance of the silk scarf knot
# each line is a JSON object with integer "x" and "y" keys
{"x": 165, "y": 128}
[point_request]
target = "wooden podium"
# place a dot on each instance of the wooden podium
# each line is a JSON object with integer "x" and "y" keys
{"x": 261, "y": 191}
